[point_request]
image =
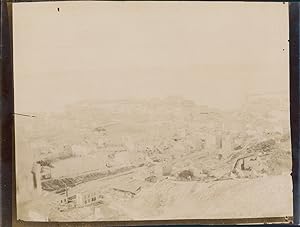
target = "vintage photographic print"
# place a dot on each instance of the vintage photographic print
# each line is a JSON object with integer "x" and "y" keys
{"x": 151, "y": 110}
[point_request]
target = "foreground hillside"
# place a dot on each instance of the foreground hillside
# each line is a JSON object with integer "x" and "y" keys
{"x": 155, "y": 159}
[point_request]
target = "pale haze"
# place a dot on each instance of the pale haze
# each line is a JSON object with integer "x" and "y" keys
{"x": 128, "y": 111}
{"x": 212, "y": 53}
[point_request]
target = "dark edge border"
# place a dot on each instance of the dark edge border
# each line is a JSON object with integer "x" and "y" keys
{"x": 295, "y": 102}
{"x": 6, "y": 118}
{"x": 7, "y": 179}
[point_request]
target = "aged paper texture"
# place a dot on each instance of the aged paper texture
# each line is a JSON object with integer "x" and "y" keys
{"x": 151, "y": 110}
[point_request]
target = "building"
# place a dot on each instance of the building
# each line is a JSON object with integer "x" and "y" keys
{"x": 127, "y": 191}
{"x": 85, "y": 198}
{"x": 210, "y": 141}
{"x": 63, "y": 201}
{"x": 45, "y": 172}
{"x": 227, "y": 143}
{"x": 219, "y": 141}
{"x": 80, "y": 198}
{"x": 79, "y": 150}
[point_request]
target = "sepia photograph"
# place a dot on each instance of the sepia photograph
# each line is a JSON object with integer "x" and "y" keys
{"x": 129, "y": 111}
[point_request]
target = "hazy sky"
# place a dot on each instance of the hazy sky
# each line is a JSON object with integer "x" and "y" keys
{"x": 213, "y": 53}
